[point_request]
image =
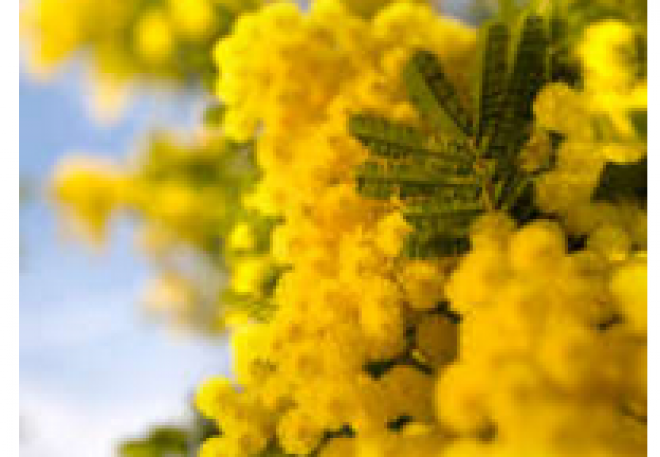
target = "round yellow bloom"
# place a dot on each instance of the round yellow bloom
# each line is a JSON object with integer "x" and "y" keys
{"x": 248, "y": 275}
{"x": 423, "y": 284}
{"x": 154, "y": 37}
{"x": 629, "y": 288}
{"x": 212, "y": 394}
{"x": 339, "y": 447}
{"x": 192, "y": 18}
{"x": 459, "y": 399}
{"x": 241, "y": 238}
{"x": 539, "y": 244}
{"x": 298, "y": 434}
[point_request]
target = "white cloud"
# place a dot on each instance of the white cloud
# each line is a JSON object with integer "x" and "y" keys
{"x": 92, "y": 377}
{"x": 54, "y": 426}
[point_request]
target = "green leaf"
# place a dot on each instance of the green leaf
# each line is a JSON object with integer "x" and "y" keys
{"x": 530, "y": 73}
{"x": 421, "y": 245}
{"x": 434, "y": 96}
{"x": 449, "y": 179}
{"x": 638, "y": 118}
{"x": 436, "y": 221}
{"x": 386, "y": 138}
{"x": 382, "y": 180}
{"x": 623, "y": 181}
{"x": 214, "y": 115}
{"x": 493, "y": 78}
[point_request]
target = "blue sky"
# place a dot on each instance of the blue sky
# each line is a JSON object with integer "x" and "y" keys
{"x": 92, "y": 368}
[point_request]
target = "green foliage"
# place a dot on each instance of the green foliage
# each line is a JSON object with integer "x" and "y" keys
{"x": 623, "y": 181}
{"x": 216, "y": 167}
{"x": 214, "y": 114}
{"x": 171, "y": 441}
{"x": 469, "y": 163}
{"x": 493, "y": 84}
{"x": 163, "y": 441}
{"x": 434, "y": 95}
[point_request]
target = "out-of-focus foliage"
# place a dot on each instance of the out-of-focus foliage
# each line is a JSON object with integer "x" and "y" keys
{"x": 132, "y": 38}
{"x": 161, "y": 441}
{"x": 125, "y": 42}
{"x": 169, "y": 440}
{"x": 187, "y": 199}
{"x": 602, "y": 123}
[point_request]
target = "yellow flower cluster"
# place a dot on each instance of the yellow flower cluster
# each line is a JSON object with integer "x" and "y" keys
{"x": 552, "y": 356}
{"x": 348, "y": 297}
{"x": 531, "y": 344}
{"x": 359, "y": 358}
{"x": 598, "y": 128}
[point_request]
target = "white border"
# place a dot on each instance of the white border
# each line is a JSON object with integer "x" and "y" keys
{"x": 9, "y": 182}
{"x": 653, "y": 227}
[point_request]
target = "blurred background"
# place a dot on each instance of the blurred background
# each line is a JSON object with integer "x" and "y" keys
{"x": 93, "y": 369}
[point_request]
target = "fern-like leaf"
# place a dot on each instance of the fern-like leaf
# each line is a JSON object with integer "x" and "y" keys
{"x": 433, "y": 94}
{"x": 513, "y": 129}
{"x": 388, "y": 139}
{"x": 425, "y": 245}
{"x": 448, "y": 179}
{"x": 493, "y": 78}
